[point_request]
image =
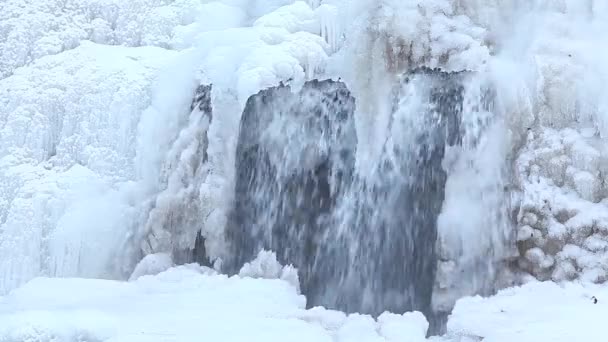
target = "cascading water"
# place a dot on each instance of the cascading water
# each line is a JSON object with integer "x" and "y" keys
{"x": 295, "y": 159}
{"x": 362, "y": 242}
{"x": 477, "y": 204}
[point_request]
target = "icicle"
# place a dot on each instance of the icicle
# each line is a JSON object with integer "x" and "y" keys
{"x": 331, "y": 28}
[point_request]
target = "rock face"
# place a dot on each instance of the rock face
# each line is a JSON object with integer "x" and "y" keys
{"x": 361, "y": 243}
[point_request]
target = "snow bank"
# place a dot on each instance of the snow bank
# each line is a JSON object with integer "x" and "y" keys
{"x": 190, "y": 303}
{"x": 183, "y": 304}
{"x": 534, "y": 312}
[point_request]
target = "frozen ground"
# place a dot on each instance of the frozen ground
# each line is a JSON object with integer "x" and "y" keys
{"x": 184, "y": 304}
{"x": 534, "y": 312}
{"x": 190, "y": 303}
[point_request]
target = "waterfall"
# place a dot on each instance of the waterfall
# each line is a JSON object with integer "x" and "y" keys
{"x": 362, "y": 242}
{"x": 394, "y": 188}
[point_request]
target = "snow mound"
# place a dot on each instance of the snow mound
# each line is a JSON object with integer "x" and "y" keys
{"x": 266, "y": 266}
{"x": 185, "y": 304}
{"x": 534, "y": 312}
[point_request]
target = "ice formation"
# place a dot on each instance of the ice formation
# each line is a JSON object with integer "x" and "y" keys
{"x": 105, "y": 158}
{"x": 561, "y": 167}
{"x": 66, "y": 153}
{"x": 152, "y": 264}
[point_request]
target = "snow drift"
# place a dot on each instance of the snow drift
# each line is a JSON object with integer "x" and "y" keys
{"x": 187, "y": 303}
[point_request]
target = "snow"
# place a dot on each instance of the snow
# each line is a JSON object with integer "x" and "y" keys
{"x": 33, "y": 29}
{"x": 66, "y": 170}
{"x": 534, "y": 312}
{"x": 186, "y": 303}
{"x": 152, "y": 264}
{"x": 266, "y": 266}
{"x": 292, "y": 17}
{"x": 189, "y": 302}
